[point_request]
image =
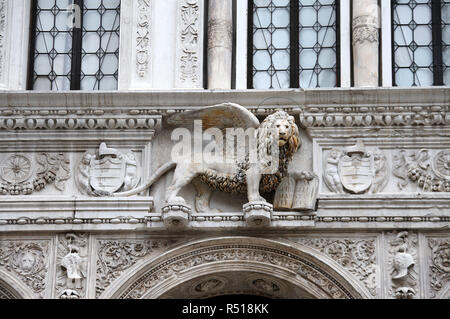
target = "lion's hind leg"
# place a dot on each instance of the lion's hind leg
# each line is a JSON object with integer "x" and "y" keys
{"x": 184, "y": 173}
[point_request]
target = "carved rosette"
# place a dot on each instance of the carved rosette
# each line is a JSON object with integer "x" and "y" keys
{"x": 143, "y": 37}
{"x": 188, "y": 48}
{"x": 402, "y": 264}
{"x": 28, "y": 261}
{"x": 116, "y": 256}
{"x": 357, "y": 256}
{"x": 21, "y": 178}
{"x": 220, "y": 34}
{"x": 71, "y": 271}
{"x": 439, "y": 264}
{"x": 247, "y": 253}
{"x": 365, "y": 28}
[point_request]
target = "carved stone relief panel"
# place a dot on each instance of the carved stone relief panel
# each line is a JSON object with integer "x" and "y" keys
{"x": 355, "y": 170}
{"x": 439, "y": 265}
{"x": 23, "y": 174}
{"x": 402, "y": 264}
{"x": 71, "y": 271}
{"x": 107, "y": 171}
{"x": 189, "y": 44}
{"x": 429, "y": 170}
{"x": 143, "y": 37}
{"x": 357, "y": 255}
{"x": 28, "y": 260}
{"x": 116, "y": 256}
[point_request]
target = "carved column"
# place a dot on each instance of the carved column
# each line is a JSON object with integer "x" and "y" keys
{"x": 365, "y": 43}
{"x": 220, "y": 42}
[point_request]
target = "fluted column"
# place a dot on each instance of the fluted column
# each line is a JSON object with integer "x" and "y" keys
{"x": 365, "y": 42}
{"x": 220, "y": 43}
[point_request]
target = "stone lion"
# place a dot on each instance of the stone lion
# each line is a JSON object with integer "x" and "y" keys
{"x": 239, "y": 175}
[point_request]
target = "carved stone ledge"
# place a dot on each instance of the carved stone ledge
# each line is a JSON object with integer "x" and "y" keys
{"x": 258, "y": 213}
{"x": 176, "y": 215}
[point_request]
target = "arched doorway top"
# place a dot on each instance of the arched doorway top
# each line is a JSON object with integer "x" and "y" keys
{"x": 13, "y": 288}
{"x": 300, "y": 265}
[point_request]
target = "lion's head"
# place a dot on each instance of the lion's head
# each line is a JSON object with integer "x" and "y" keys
{"x": 279, "y": 129}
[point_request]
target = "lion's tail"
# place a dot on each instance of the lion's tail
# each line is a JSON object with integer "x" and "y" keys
{"x": 159, "y": 172}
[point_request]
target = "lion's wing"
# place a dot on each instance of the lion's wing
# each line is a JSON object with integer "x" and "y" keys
{"x": 220, "y": 116}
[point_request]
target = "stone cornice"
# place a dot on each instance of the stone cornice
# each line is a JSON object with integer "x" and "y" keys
{"x": 355, "y": 107}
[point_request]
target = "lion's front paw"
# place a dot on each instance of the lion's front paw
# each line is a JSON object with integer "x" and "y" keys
{"x": 176, "y": 200}
{"x": 258, "y": 198}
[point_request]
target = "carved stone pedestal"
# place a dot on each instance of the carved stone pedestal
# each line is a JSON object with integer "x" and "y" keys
{"x": 258, "y": 213}
{"x": 176, "y": 215}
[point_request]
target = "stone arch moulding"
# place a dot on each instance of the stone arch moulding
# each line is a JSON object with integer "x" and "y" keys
{"x": 13, "y": 288}
{"x": 300, "y": 265}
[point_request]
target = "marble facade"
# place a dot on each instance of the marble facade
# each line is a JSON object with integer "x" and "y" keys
{"x": 369, "y": 219}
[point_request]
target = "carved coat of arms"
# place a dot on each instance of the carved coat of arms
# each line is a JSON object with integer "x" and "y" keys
{"x": 356, "y": 170}
{"x": 108, "y": 171}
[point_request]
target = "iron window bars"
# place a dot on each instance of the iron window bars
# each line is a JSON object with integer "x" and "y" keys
{"x": 63, "y": 58}
{"x": 293, "y": 43}
{"x": 421, "y": 42}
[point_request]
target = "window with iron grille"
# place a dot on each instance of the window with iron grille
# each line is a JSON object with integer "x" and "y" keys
{"x": 293, "y": 43}
{"x": 81, "y": 56}
{"x": 421, "y": 42}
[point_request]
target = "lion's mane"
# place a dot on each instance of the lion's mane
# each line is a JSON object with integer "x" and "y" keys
{"x": 265, "y": 140}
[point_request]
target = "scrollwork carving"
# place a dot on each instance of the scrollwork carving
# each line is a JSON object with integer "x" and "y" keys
{"x": 143, "y": 37}
{"x": 188, "y": 51}
{"x": 439, "y": 264}
{"x": 355, "y": 255}
{"x": 28, "y": 261}
{"x": 116, "y": 256}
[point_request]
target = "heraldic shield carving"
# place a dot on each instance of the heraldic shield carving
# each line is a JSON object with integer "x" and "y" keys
{"x": 108, "y": 171}
{"x": 356, "y": 169}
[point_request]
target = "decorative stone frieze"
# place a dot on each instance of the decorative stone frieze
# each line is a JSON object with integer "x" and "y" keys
{"x": 356, "y": 255}
{"x": 439, "y": 264}
{"x": 365, "y": 28}
{"x": 28, "y": 260}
